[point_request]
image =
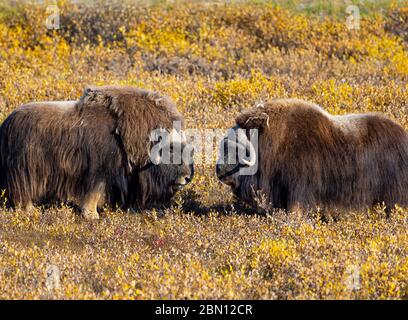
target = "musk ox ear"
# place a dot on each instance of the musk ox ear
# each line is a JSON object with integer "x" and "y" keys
{"x": 137, "y": 113}
{"x": 255, "y": 118}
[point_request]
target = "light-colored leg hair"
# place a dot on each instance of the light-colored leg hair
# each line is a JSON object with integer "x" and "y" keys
{"x": 29, "y": 207}
{"x": 296, "y": 207}
{"x": 26, "y": 206}
{"x": 89, "y": 205}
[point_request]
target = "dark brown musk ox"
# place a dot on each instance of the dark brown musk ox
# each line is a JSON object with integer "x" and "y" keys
{"x": 309, "y": 159}
{"x": 92, "y": 152}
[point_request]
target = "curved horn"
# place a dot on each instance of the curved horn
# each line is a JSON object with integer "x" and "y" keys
{"x": 160, "y": 136}
{"x": 230, "y": 144}
{"x": 160, "y": 152}
{"x": 243, "y": 140}
{"x": 155, "y": 153}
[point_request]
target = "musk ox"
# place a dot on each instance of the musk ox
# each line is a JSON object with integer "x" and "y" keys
{"x": 309, "y": 159}
{"x": 92, "y": 152}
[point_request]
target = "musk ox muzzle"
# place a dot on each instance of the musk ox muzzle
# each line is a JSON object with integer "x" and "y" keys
{"x": 173, "y": 154}
{"x": 237, "y": 155}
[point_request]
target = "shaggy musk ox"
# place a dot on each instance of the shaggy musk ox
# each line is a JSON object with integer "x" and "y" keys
{"x": 308, "y": 158}
{"x": 92, "y": 152}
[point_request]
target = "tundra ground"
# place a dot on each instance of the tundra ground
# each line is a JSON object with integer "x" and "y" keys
{"x": 213, "y": 61}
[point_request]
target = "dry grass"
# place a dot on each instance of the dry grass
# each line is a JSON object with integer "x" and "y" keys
{"x": 213, "y": 61}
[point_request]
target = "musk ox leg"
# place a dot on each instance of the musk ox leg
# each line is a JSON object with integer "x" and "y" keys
{"x": 295, "y": 207}
{"x": 26, "y": 207}
{"x": 89, "y": 205}
{"x": 29, "y": 207}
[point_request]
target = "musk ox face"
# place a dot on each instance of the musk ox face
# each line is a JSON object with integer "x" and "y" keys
{"x": 171, "y": 169}
{"x": 237, "y": 162}
{"x": 309, "y": 158}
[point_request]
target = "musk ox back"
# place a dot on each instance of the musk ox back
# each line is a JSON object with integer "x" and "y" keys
{"x": 94, "y": 151}
{"x": 308, "y": 158}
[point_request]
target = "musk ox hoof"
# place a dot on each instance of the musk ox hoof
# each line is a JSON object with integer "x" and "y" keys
{"x": 29, "y": 208}
{"x": 90, "y": 215}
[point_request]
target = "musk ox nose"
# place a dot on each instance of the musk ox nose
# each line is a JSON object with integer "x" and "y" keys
{"x": 226, "y": 173}
{"x": 191, "y": 172}
{"x": 224, "y": 176}
{"x": 218, "y": 170}
{"x": 183, "y": 180}
{"x": 221, "y": 170}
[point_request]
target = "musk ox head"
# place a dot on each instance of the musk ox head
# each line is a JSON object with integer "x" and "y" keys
{"x": 150, "y": 130}
{"x": 236, "y": 153}
{"x": 308, "y": 158}
{"x": 237, "y": 162}
{"x": 169, "y": 169}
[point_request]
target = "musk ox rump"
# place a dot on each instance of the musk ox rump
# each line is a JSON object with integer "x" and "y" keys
{"x": 308, "y": 158}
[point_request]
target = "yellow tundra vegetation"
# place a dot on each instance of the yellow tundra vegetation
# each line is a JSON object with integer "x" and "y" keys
{"x": 214, "y": 61}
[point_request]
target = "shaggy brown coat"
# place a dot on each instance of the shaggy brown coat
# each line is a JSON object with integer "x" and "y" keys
{"x": 309, "y": 158}
{"x": 89, "y": 151}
